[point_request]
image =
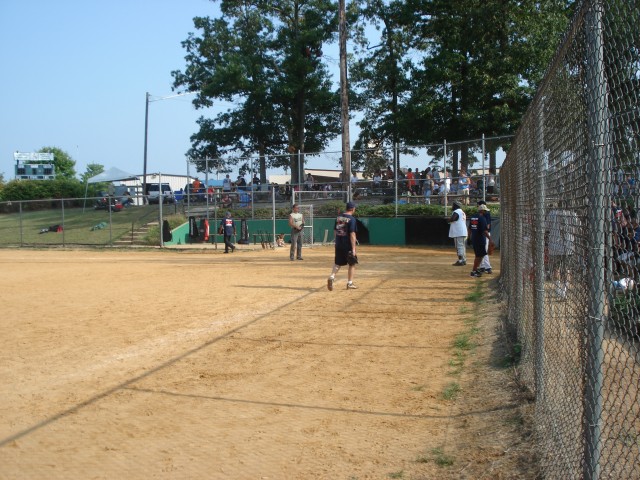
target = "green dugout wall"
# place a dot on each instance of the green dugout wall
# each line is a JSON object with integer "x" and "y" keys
{"x": 371, "y": 231}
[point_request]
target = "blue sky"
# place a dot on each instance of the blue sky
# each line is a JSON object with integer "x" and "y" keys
{"x": 76, "y": 73}
{"x": 75, "y": 76}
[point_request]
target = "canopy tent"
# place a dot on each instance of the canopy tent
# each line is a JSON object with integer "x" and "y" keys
{"x": 112, "y": 175}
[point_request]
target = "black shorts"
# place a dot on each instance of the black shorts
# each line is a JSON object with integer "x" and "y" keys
{"x": 341, "y": 256}
{"x": 480, "y": 247}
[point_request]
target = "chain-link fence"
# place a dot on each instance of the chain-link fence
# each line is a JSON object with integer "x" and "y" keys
{"x": 419, "y": 174}
{"x": 91, "y": 221}
{"x": 571, "y": 247}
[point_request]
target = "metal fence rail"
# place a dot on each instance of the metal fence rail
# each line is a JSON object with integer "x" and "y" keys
{"x": 571, "y": 247}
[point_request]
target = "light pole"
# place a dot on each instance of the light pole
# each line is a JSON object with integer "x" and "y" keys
{"x": 146, "y": 134}
{"x": 344, "y": 98}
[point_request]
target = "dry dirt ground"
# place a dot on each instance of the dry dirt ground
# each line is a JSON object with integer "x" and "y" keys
{"x": 189, "y": 364}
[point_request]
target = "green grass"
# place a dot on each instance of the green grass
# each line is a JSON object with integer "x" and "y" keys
{"x": 438, "y": 457}
{"x": 463, "y": 342}
{"x": 451, "y": 391}
{"x": 24, "y": 228}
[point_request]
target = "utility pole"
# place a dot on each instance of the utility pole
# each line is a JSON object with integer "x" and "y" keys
{"x": 344, "y": 98}
{"x": 146, "y": 136}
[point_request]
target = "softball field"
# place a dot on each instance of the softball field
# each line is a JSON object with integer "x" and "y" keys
{"x": 189, "y": 364}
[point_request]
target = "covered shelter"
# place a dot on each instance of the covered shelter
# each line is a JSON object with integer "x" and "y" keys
{"x": 114, "y": 174}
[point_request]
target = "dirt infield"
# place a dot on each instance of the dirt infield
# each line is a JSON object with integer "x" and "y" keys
{"x": 195, "y": 364}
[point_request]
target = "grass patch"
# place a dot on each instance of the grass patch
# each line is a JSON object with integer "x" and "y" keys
{"x": 475, "y": 296}
{"x": 512, "y": 357}
{"x": 438, "y": 457}
{"x": 153, "y": 235}
{"x": 23, "y": 228}
{"x": 399, "y": 474}
{"x": 451, "y": 391}
{"x": 463, "y": 341}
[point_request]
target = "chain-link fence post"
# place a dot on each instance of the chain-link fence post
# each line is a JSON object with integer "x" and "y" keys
{"x": 597, "y": 118}
{"x": 538, "y": 248}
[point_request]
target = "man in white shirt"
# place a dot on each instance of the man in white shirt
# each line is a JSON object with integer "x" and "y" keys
{"x": 296, "y": 222}
{"x": 458, "y": 231}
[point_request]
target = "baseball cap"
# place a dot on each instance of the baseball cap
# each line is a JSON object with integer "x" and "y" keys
{"x": 483, "y": 208}
{"x": 351, "y": 205}
{"x": 228, "y": 214}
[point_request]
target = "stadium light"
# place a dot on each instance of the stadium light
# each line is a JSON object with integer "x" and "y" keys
{"x": 146, "y": 131}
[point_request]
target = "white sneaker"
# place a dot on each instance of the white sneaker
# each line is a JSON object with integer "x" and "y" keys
{"x": 351, "y": 286}
{"x": 330, "y": 283}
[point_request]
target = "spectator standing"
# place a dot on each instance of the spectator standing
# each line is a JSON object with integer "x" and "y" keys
{"x": 485, "y": 265}
{"x": 287, "y": 191}
{"x": 255, "y": 182}
{"x": 309, "y": 182}
{"x": 458, "y": 231}
{"x": 427, "y": 189}
{"x": 447, "y": 181}
{"x": 389, "y": 174}
{"x": 345, "y": 230}
{"x": 491, "y": 184}
{"x": 561, "y": 229}
{"x": 479, "y": 234}
{"x": 226, "y": 184}
{"x": 411, "y": 183}
{"x": 296, "y": 222}
{"x": 228, "y": 228}
{"x": 464, "y": 185}
{"x": 377, "y": 179}
{"x": 241, "y": 183}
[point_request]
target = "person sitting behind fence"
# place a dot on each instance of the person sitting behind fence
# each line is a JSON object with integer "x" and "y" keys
{"x": 226, "y": 201}
{"x": 127, "y": 201}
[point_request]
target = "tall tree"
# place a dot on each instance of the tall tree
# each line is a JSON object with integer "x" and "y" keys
{"x": 63, "y": 163}
{"x": 93, "y": 169}
{"x": 380, "y": 71}
{"x": 483, "y": 63}
{"x": 266, "y": 57}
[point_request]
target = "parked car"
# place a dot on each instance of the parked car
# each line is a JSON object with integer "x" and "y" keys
{"x": 153, "y": 193}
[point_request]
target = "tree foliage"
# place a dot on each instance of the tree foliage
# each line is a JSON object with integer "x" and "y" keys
{"x": 93, "y": 169}
{"x": 63, "y": 163}
{"x": 42, "y": 189}
{"x": 455, "y": 69}
{"x": 382, "y": 71}
{"x": 266, "y": 58}
{"x": 440, "y": 69}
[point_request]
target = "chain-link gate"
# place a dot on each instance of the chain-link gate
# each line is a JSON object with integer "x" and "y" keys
{"x": 571, "y": 247}
{"x": 307, "y": 231}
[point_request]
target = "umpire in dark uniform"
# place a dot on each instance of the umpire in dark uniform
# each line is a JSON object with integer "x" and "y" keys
{"x": 228, "y": 228}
